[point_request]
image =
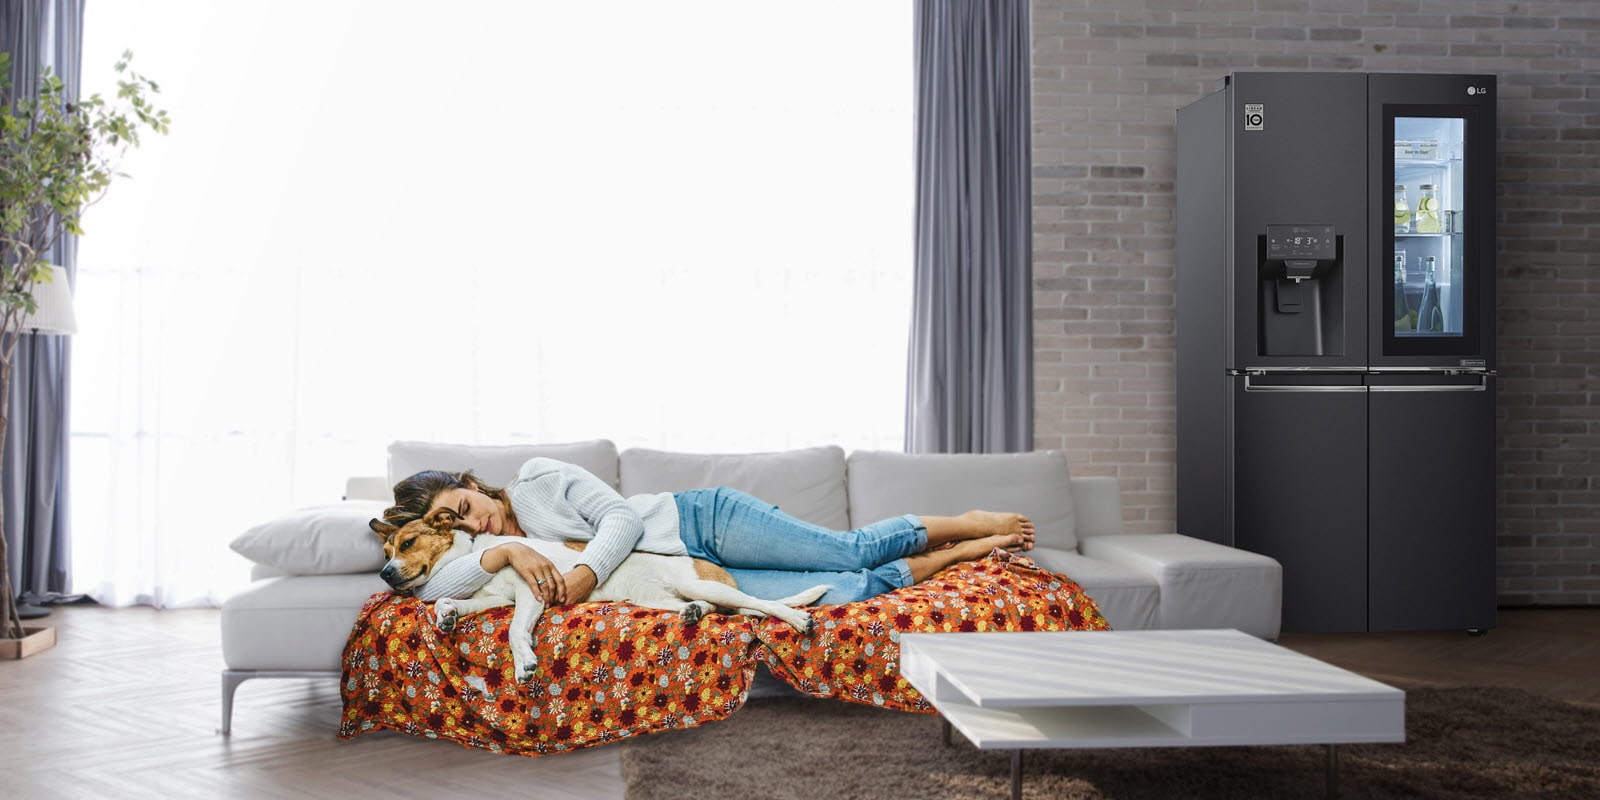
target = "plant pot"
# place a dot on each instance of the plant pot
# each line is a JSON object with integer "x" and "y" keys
{"x": 33, "y": 641}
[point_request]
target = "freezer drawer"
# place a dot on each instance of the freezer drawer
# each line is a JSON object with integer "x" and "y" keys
{"x": 1300, "y": 492}
{"x": 1431, "y": 541}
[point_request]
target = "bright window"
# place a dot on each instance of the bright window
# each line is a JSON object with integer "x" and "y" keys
{"x": 673, "y": 225}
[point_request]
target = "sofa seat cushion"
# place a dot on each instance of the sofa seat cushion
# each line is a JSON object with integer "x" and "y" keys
{"x": 497, "y": 465}
{"x": 1128, "y": 598}
{"x": 293, "y": 623}
{"x": 807, "y": 483}
{"x": 1203, "y": 584}
{"x": 885, "y": 484}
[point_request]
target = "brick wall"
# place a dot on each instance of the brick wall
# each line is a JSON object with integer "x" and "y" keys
{"x": 1108, "y": 78}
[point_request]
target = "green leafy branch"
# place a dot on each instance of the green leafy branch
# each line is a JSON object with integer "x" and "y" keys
{"x": 57, "y": 158}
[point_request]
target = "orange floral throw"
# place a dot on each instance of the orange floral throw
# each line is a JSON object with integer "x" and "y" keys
{"x": 853, "y": 652}
{"x": 610, "y": 671}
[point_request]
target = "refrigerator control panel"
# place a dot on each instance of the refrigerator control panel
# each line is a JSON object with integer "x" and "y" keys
{"x": 1301, "y": 242}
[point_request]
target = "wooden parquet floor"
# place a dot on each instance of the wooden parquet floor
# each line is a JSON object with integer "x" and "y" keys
{"x": 1554, "y": 652}
{"x": 127, "y": 705}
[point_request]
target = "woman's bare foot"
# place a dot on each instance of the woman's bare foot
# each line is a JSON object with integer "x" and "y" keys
{"x": 975, "y": 524}
{"x": 992, "y": 523}
{"x": 984, "y": 545}
{"x": 926, "y": 563}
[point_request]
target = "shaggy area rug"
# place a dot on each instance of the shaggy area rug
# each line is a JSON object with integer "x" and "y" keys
{"x": 1460, "y": 743}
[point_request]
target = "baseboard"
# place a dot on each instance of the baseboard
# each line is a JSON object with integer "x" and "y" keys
{"x": 33, "y": 640}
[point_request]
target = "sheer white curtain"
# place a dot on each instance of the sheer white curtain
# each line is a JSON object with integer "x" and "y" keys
{"x": 680, "y": 225}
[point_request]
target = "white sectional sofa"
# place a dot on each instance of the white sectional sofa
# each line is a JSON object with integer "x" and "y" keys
{"x": 316, "y": 567}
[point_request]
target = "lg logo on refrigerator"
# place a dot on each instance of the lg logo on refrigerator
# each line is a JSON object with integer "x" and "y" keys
{"x": 1477, "y": 90}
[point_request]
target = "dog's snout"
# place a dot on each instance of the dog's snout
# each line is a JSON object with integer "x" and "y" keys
{"x": 390, "y": 574}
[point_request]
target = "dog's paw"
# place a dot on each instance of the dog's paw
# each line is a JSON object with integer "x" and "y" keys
{"x": 693, "y": 613}
{"x": 522, "y": 658}
{"x": 801, "y": 621}
{"x": 526, "y": 673}
{"x": 445, "y": 615}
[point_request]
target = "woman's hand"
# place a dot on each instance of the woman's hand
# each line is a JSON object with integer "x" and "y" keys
{"x": 540, "y": 572}
{"x": 578, "y": 583}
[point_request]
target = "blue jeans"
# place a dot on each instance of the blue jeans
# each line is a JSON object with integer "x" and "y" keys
{"x": 774, "y": 555}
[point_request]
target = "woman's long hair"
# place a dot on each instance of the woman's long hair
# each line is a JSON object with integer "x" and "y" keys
{"x": 414, "y": 496}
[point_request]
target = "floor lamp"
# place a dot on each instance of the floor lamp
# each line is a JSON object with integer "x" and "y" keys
{"x": 52, "y": 316}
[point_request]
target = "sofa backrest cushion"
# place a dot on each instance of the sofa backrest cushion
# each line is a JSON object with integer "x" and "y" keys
{"x": 806, "y": 483}
{"x": 497, "y": 465}
{"x": 885, "y": 484}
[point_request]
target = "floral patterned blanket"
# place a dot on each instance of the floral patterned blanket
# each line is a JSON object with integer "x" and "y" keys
{"x": 609, "y": 671}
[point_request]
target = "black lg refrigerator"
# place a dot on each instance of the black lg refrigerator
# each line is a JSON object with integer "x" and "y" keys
{"x": 1336, "y": 380}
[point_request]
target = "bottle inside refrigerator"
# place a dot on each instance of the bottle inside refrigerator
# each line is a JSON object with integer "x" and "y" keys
{"x": 1429, "y": 199}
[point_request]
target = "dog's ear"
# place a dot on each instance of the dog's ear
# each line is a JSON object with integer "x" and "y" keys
{"x": 442, "y": 519}
{"x": 383, "y": 529}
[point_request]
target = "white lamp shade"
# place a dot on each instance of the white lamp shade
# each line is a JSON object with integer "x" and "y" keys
{"x": 52, "y": 312}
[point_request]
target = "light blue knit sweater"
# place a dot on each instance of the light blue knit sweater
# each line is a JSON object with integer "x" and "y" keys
{"x": 561, "y": 502}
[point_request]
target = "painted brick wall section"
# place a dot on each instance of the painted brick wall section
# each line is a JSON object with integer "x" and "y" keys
{"x": 1109, "y": 76}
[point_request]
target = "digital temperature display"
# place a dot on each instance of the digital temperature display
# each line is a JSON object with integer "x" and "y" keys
{"x": 1301, "y": 242}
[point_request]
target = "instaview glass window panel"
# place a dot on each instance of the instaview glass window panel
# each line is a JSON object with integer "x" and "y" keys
{"x": 1429, "y": 203}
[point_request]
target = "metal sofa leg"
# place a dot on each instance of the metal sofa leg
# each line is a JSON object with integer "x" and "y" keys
{"x": 231, "y": 678}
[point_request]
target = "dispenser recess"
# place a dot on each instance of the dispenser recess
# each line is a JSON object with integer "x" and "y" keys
{"x": 1297, "y": 317}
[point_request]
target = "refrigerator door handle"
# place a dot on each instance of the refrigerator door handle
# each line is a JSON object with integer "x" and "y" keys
{"x": 1471, "y": 387}
{"x": 1252, "y": 387}
{"x": 1481, "y": 385}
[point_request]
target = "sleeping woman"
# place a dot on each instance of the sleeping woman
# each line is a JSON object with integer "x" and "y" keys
{"x": 768, "y": 552}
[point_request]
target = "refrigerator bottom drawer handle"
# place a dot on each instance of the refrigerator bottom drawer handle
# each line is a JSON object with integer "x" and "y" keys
{"x": 1475, "y": 387}
{"x": 1255, "y": 387}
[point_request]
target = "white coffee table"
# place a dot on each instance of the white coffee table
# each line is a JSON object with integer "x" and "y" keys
{"x": 1143, "y": 689}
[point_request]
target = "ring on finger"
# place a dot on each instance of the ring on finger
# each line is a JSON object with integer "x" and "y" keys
{"x": 539, "y": 582}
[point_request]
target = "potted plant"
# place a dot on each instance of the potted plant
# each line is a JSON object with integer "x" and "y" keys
{"x": 56, "y": 158}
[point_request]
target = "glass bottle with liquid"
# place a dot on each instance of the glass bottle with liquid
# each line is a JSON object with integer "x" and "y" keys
{"x": 1402, "y": 210}
{"x": 1404, "y": 318}
{"x": 1430, "y": 316}
{"x": 1427, "y": 216}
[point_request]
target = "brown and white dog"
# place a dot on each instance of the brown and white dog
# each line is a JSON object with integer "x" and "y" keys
{"x": 673, "y": 583}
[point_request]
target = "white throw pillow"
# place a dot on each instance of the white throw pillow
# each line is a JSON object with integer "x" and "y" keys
{"x": 330, "y": 539}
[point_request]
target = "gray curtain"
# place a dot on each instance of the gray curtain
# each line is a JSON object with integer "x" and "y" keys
{"x": 38, "y": 33}
{"x": 970, "y": 372}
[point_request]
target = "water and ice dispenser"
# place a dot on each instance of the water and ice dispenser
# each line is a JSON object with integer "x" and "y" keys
{"x": 1299, "y": 273}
